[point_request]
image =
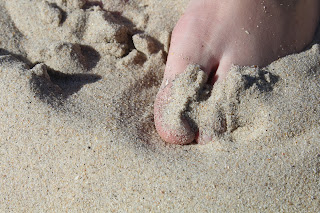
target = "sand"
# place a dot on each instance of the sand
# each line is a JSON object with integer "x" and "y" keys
{"x": 77, "y": 85}
{"x": 265, "y": 103}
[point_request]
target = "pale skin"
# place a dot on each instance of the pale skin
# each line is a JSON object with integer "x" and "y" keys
{"x": 216, "y": 34}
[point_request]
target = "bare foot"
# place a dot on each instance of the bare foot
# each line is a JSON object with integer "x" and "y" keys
{"x": 216, "y": 34}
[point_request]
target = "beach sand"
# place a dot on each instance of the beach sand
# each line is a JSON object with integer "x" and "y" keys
{"x": 77, "y": 82}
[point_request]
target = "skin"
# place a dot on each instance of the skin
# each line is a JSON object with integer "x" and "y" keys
{"x": 216, "y": 34}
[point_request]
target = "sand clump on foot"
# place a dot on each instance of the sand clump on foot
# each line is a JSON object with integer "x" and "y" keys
{"x": 251, "y": 103}
{"x": 185, "y": 91}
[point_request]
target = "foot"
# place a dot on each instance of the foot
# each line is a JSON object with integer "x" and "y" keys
{"x": 216, "y": 34}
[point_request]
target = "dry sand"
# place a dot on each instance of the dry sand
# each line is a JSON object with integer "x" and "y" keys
{"x": 76, "y": 118}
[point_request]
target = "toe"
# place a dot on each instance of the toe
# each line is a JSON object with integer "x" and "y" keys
{"x": 183, "y": 134}
{"x": 188, "y": 46}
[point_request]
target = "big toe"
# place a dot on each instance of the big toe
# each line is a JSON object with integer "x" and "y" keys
{"x": 176, "y": 131}
{"x": 188, "y": 46}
